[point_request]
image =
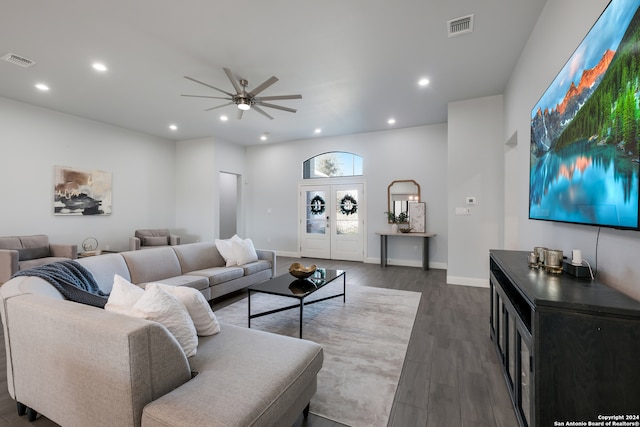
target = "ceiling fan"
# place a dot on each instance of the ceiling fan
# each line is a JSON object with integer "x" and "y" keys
{"x": 246, "y": 100}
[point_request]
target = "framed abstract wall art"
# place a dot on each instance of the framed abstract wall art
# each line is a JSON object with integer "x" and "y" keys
{"x": 417, "y": 216}
{"x": 81, "y": 192}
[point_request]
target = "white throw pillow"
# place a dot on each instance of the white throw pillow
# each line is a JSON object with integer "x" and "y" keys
{"x": 244, "y": 252}
{"x": 199, "y": 309}
{"x": 123, "y": 296}
{"x": 162, "y": 307}
{"x": 225, "y": 247}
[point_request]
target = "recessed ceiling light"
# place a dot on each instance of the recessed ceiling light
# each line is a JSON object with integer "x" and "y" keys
{"x": 43, "y": 87}
{"x": 318, "y": 130}
{"x": 423, "y": 82}
{"x": 224, "y": 118}
{"x": 391, "y": 121}
{"x": 263, "y": 138}
{"x": 98, "y": 66}
{"x": 173, "y": 127}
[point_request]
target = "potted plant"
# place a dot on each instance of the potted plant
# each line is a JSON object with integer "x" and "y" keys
{"x": 394, "y": 219}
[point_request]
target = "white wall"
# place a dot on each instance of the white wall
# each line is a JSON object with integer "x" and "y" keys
{"x": 198, "y": 166}
{"x": 274, "y": 172}
{"x": 551, "y": 43}
{"x": 35, "y": 139}
{"x": 475, "y": 160}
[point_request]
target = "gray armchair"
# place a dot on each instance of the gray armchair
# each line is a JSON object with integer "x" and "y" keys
{"x": 23, "y": 252}
{"x": 150, "y": 238}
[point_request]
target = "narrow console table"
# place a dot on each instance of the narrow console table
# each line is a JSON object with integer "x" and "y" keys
{"x": 569, "y": 347}
{"x": 425, "y": 246}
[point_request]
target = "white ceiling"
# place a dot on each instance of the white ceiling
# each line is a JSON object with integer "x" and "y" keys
{"x": 355, "y": 62}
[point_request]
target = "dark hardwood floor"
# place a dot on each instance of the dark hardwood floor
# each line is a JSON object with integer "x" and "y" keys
{"x": 451, "y": 374}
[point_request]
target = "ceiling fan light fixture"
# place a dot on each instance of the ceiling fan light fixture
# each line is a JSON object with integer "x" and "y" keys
{"x": 243, "y": 104}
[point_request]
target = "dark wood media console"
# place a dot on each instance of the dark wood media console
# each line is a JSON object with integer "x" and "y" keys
{"x": 570, "y": 348}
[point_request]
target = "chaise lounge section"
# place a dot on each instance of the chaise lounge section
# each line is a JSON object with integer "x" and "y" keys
{"x": 79, "y": 365}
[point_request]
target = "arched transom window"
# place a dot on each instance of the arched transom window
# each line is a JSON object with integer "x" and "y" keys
{"x": 332, "y": 164}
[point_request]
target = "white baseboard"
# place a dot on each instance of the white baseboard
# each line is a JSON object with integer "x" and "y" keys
{"x": 467, "y": 281}
{"x": 373, "y": 260}
{"x": 288, "y": 254}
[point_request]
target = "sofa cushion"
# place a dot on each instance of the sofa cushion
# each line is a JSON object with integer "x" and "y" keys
{"x": 155, "y": 240}
{"x": 198, "y": 256}
{"x": 25, "y": 265}
{"x": 227, "y": 251}
{"x": 35, "y": 241}
{"x": 246, "y": 378}
{"x": 104, "y": 267}
{"x": 152, "y": 265}
{"x": 244, "y": 252}
{"x": 25, "y": 254}
{"x": 124, "y": 295}
{"x": 10, "y": 242}
{"x": 255, "y": 267}
{"x": 162, "y": 307}
{"x": 199, "y": 309}
{"x": 152, "y": 232}
{"x": 188, "y": 280}
{"x": 218, "y": 275}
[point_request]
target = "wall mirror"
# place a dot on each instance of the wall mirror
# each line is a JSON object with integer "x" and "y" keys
{"x": 400, "y": 193}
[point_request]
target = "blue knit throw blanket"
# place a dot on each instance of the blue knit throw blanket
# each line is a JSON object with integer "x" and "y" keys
{"x": 74, "y": 281}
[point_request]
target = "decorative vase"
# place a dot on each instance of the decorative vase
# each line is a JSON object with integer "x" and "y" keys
{"x": 394, "y": 228}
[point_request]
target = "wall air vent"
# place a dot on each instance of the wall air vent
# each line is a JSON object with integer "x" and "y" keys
{"x": 458, "y": 26}
{"x": 18, "y": 60}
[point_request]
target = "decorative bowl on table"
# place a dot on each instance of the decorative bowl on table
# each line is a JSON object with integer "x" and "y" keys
{"x": 405, "y": 230}
{"x": 299, "y": 271}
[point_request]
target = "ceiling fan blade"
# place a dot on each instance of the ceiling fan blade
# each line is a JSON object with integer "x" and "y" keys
{"x": 263, "y": 86}
{"x": 261, "y": 111}
{"x": 233, "y": 80}
{"x": 278, "y": 97}
{"x": 219, "y": 106}
{"x": 208, "y": 85}
{"x": 279, "y": 107}
{"x": 204, "y": 96}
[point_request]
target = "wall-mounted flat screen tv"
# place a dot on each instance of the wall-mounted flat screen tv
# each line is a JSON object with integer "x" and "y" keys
{"x": 585, "y": 129}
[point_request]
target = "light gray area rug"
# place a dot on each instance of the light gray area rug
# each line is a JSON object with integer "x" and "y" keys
{"x": 364, "y": 341}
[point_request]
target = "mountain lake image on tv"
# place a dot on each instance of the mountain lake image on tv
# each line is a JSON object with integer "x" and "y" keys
{"x": 585, "y": 129}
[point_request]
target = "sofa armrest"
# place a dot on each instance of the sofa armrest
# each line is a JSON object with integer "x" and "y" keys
{"x": 134, "y": 243}
{"x": 108, "y": 366}
{"x": 270, "y": 256}
{"x": 174, "y": 240}
{"x": 63, "y": 251}
{"x": 8, "y": 264}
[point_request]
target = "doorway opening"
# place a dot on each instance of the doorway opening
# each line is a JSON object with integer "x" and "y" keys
{"x": 229, "y": 204}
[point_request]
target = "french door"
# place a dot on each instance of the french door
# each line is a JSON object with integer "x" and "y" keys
{"x": 332, "y": 221}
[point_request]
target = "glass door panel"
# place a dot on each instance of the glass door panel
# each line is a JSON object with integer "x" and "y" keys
{"x": 315, "y": 222}
{"x": 347, "y": 241}
{"x": 316, "y": 219}
{"x": 525, "y": 381}
{"x": 347, "y": 212}
{"x": 511, "y": 349}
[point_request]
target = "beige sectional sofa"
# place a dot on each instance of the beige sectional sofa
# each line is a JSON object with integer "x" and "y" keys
{"x": 23, "y": 252}
{"x": 80, "y": 365}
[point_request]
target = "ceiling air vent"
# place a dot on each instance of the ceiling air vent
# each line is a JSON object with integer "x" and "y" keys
{"x": 18, "y": 60}
{"x": 460, "y": 26}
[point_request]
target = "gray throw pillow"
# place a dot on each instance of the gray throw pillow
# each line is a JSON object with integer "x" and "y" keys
{"x": 33, "y": 253}
{"x": 155, "y": 241}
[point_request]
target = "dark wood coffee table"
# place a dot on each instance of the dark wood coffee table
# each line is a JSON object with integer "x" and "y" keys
{"x": 288, "y": 286}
